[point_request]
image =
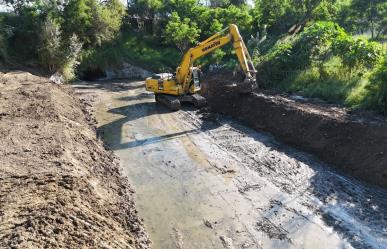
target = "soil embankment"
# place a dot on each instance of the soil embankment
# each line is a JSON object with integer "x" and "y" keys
{"x": 59, "y": 187}
{"x": 356, "y": 144}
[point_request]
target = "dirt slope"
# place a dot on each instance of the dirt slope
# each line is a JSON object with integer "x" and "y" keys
{"x": 59, "y": 187}
{"x": 354, "y": 143}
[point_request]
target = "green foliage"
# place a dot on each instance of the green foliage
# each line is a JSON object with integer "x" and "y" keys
{"x": 280, "y": 15}
{"x": 364, "y": 15}
{"x": 273, "y": 12}
{"x": 313, "y": 44}
{"x": 56, "y": 54}
{"x": 92, "y": 22}
{"x": 235, "y": 15}
{"x": 71, "y": 57}
{"x": 311, "y": 47}
{"x": 182, "y": 33}
{"x": 325, "y": 62}
{"x": 25, "y": 27}
{"x": 357, "y": 53}
{"x": 50, "y": 51}
{"x": 275, "y": 64}
{"x": 138, "y": 50}
{"x": 6, "y": 32}
{"x": 373, "y": 94}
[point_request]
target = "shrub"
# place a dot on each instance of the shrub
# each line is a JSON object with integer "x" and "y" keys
{"x": 71, "y": 57}
{"x": 58, "y": 55}
{"x": 50, "y": 51}
{"x": 313, "y": 44}
{"x": 377, "y": 89}
{"x": 139, "y": 50}
{"x": 357, "y": 53}
{"x": 182, "y": 33}
{"x": 6, "y": 31}
{"x": 93, "y": 22}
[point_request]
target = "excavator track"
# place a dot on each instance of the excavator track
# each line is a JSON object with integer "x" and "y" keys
{"x": 171, "y": 102}
{"x": 174, "y": 102}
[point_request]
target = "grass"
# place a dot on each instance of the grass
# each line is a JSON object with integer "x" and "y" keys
{"x": 336, "y": 85}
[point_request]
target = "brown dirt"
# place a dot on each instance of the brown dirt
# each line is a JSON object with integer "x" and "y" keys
{"x": 354, "y": 143}
{"x": 59, "y": 187}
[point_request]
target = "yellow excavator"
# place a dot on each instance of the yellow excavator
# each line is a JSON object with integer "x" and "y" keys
{"x": 184, "y": 86}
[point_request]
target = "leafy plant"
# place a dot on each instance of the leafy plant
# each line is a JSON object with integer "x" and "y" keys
{"x": 357, "y": 53}
{"x": 182, "y": 33}
{"x": 57, "y": 55}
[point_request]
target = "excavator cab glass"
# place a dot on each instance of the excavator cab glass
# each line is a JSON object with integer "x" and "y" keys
{"x": 195, "y": 76}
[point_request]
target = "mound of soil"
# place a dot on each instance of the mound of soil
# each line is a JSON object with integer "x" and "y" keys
{"x": 355, "y": 143}
{"x": 59, "y": 187}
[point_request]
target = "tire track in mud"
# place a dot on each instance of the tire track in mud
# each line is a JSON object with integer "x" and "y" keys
{"x": 357, "y": 211}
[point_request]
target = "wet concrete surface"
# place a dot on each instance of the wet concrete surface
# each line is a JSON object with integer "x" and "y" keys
{"x": 205, "y": 181}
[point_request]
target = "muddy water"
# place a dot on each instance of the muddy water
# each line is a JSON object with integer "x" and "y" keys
{"x": 212, "y": 183}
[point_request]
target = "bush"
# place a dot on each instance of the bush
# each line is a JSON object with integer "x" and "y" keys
{"x": 72, "y": 53}
{"x": 375, "y": 92}
{"x": 6, "y": 32}
{"x": 143, "y": 51}
{"x": 23, "y": 42}
{"x": 182, "y": 33}
{"x": 357, "y": 53}
{"x": 56, "y": 54}
{"x": 93, "y": 22}
{"x": 50, "y": 51}
{"x": 313, "y": 45}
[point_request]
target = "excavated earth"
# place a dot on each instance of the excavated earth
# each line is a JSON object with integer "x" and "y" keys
{"x": 355, "y": 143}
{"x": 59, "y": 187}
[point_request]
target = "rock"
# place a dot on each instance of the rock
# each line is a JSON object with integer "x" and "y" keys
{"x": 128, "y": 71}
{"x": 208, "y": 224}
{"x": 57, "y": 78}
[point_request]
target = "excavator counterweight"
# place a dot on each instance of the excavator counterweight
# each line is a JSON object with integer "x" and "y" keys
{"x": 184, "y": 86}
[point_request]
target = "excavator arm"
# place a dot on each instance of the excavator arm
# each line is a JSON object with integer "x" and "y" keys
{"x": 218, "y": 40}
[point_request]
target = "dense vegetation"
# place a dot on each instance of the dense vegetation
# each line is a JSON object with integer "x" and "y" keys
{"x": 331, "y": 49}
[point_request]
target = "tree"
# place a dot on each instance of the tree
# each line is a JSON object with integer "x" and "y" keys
{"x": 145, "y": 13}
{"x": 236, "y": 15}
{"x": 370, "y": 15}
{"x": 273, "y": 14}
{"x": 91, "y": 21}
{"x": 182, "y": 33}
{"x": 50, "y": 45}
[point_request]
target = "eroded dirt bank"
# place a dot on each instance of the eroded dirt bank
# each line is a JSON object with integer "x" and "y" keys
{"x": 59, "y": 187}
{"x": 356, "y": 144}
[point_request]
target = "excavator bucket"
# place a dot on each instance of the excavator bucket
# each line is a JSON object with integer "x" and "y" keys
{"x": 246, "y": 86}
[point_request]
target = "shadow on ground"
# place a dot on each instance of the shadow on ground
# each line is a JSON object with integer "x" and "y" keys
{"x": 117, "y": 85}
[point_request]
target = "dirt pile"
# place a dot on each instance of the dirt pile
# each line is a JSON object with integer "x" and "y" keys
{"x": 355, "y": 143}
{"x": 59, "y": 187}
